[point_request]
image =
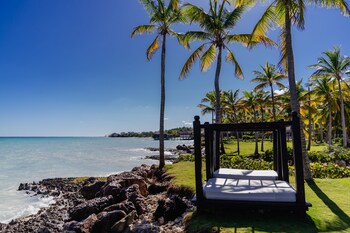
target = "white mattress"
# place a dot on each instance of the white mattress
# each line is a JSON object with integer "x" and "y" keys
{"x": 249, "y": 190}
{"x": 245, "y": 174}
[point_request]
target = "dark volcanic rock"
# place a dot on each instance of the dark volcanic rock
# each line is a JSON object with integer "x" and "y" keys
{"x": 89, "y": 207}
{"x": 134, "y": 196}
{"x": 170, "y": 209}
{"x": 157, "y": 188}
{"x": 90, "y": 191}
{"x": 106, "y": 220}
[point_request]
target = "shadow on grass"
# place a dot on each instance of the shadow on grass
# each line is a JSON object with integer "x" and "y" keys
{"x": 344, "y": 222}
{"x": 250, "y": 222}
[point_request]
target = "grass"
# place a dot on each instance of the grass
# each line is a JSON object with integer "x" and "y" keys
{"x": 330, "y": 209}
{"x": 247, "y": 148}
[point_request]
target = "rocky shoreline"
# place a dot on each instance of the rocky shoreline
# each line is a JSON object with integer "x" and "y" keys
{"x": 141, "y": 200}
{"x": 175, "y": 153}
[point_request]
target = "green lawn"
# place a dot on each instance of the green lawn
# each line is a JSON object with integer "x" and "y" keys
{"x": 330, "y": 209}
{"x": 247, "y": 148}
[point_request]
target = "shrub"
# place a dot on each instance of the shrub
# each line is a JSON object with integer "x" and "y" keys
{"x": 241, "y": 162}
{"x": 184, "y": 157}
{"x": 329, "y": 170}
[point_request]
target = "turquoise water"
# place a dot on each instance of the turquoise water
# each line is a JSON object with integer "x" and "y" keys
{"x": 33, "y": 159}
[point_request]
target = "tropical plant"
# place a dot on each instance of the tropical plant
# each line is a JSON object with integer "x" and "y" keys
{"x": 284, "y": 13}
{"x": 162, "y": 17}
{"x": 322, "y": 89}
{"x": 230, "y": 105}
{"x": 210, "y": 107}
{"x": 249, "y": 100}
{"x": 262, "y": 99}
{"x": 215, "y": 26}
{"x": 334, "y": 65}
{"x": 269, "y": 76}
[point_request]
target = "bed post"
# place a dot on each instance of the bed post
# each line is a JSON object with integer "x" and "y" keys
{"x": 275, "y": 151}
{"x": 208, "y": 150}
{"x": 284, "y": 156}
{"x": 198, "y": 161}
{"x": 298, "y": 159}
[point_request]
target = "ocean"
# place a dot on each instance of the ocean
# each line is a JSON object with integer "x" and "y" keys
{"x": 33, "y": 159}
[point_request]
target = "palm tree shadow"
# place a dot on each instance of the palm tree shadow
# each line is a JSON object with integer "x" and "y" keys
{"x": 329, "y": 203}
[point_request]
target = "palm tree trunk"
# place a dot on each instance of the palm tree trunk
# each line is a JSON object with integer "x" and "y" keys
{"x": 217, "y": 96}
{"x": 256, "y": 152}
{"x": 262, "y": 132}
{"x": 273, "y": 104}
{"x": 237, "y": 133}
{"x": 343, "y": 126}
{"x": 162, "y": 105}
{"x": 310, "y": 123}
{"x": 217, "y": 88}
{"x": 330, "y": 129}
{"x": 293, "y": 90}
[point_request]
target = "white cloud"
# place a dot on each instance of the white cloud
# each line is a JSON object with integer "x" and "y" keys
{"x": 186, "y": 123}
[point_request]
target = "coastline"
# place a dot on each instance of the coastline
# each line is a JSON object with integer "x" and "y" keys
{"x": 67, "y": 194}
{"x": 136, "y": 201}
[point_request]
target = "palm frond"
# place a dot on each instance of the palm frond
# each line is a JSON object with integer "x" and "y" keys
{"x": 283, "y": 50}
{"x": 194, "y": 13}
{"x": 234, "y": 17}
{"x": 260, "y": 39}
{"x": 261, "y": 86}
{"x": 231, "y": 58}
{"x": 152, "y": 48}
{"x": 197, "y": 35}
{"x": 341, "y": 4}
{"x": 150, "y": 6}
{"x": 239, "y": 38}
{"x": 208, "y": 58}
{"x": 139, "y": 30}
{"x": 266, "y": 21}
{"x": 181, "y": 39}
{"x": 190, "y": 61}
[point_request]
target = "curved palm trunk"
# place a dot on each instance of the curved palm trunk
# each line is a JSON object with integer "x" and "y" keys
{"x": 343, "y": 126}
{"x": 293, "y": 90}
{"x": 329, "y": 129}
{"x": 217, "y": 88}
{"x": 273, "y": 104}
{"x": 217, "y": 96}
{"x": 162, "y": 105}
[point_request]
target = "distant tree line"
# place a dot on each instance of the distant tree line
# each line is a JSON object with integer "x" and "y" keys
{"x": 175, "y": 132}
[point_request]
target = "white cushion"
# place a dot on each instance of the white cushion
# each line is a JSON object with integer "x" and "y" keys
{"x": 249, "y": 190}
{"x": 245, "y": 174}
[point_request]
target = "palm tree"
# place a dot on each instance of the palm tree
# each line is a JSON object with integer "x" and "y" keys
{"x": 161, "y": 18}
{"x": 262, "y": 98}
{"x": 209, "y": 98}
{"x": 216, "y": 25}
{"x": 230, "y": 105}
{"x": 269, "y": 76}
{"x": 323, "y": 90}
{"x": 285, "y": 13}
{"x": 335, "y": 66}
{"x": 249, "y": 100}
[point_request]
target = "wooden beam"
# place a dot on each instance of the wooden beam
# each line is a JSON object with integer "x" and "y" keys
{"x": 284, "y": 154}
{"x": 298, "y": 159}
{"x": 198, "y": 160}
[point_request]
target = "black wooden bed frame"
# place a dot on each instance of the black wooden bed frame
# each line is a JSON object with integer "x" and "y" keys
{"x": 212, "y": 156}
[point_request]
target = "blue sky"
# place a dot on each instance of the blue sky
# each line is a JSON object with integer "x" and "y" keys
{"x": 70, "y": 68}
